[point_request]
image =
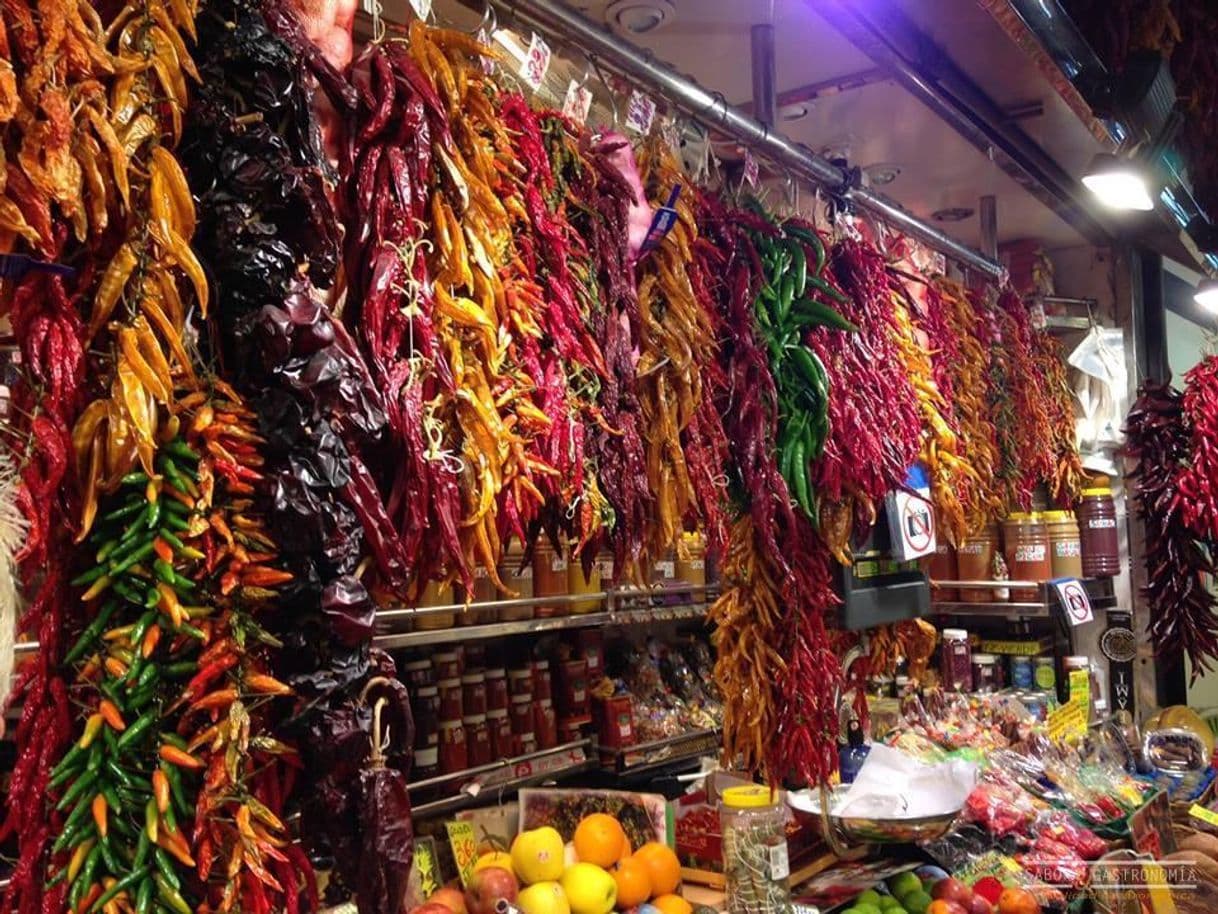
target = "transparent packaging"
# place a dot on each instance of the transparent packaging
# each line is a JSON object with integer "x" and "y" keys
{"x": 755, "y": 862}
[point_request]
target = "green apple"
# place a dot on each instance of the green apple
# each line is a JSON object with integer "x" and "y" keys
{"x": 903, "y": 884}
{"x": 916, "y": 902}
{"x": 871, "y": 896}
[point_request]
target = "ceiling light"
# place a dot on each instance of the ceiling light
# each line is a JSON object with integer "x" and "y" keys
{"x": 639, "y": 17}
{"x": 952, "y": 214}
{"x": 792, "y": 112}
{"x": 1207, "y": 295}
{"x": 1118, "y": 183}
{"x": 882, "y": 173}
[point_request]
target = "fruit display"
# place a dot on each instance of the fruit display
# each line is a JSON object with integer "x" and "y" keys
{"x": 930, "y": 890}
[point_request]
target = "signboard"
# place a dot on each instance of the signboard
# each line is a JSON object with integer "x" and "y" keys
{"x": 911, "y": 523}
{"x": 1075, "y": 602}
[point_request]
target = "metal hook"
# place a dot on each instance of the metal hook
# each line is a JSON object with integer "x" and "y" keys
{"x": 489, "y": 23}
{"x": 596, "y": 67}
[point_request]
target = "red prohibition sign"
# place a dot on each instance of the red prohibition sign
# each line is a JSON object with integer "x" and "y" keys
{"x": 917, "y": 525}
{"x": 1076, "y": 600}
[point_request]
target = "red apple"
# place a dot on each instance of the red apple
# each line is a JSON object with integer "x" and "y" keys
{"x": 952, "y": 890}
{"x": 450, "y": 898}
{"x": 988, "y": 888}
{"x": 980, "y": 905}
{"x": 487, "y": 886}
{"x": 430, "y": 908}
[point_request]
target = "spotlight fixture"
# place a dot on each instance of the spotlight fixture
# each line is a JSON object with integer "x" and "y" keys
{"x": 639, "y": 17}
{"x": 1207, "y": 295}
{"x": 882, "y": 173}
{"x": 952, "y": 214}
{"x": 794, "y": 112}
{"x": 1119, "y": 183}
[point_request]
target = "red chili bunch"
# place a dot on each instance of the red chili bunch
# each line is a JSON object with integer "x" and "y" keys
{"x": 1198, "y": 480}
{"x": 1026, "y": 430}
{"x": 1182, "y": 614}
{"x": 1067, "y": 477}
{"x": 48, "y": 331}
{"x": 875, "y": 425}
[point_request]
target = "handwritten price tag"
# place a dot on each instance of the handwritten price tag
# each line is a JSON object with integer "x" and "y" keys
{"x": 577, "y": 103}
{"x": 422, "y": 8}
{"x": 464, "y": 846}
{"x": 640, "y": 112}
{"x": 751, "y": 171}
{"x": 536, "y": 62}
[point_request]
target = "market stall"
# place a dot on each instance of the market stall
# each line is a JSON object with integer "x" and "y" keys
{"x": 406, "y": 418}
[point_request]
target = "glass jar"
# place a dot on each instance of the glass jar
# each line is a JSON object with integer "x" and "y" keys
{"x": 419, "y": 673}
{"x": 500, "y": 728}
{"x": 579, "y": 583}
{"x": 425, "y": 706}
{"x": 955, "y": 661}
{"x": 549, "y": 579}
{"x": 453, "y": 753}
{"x": 473, "y": 693}
{"x": 691, "y": 565}
{"x": 1027, "y": 554}
{"x": 975, "y": 562}
{"x": 520, "y": 681}
{"x": 477, "y": 740}
{"x": 1044, "y": 674}
{"x": 447, "y": 665}
{"x": 496, "y": 690}
{"x": 545, "y": 725}
{"x": 1065, "y": 546}
{"x": 1097, "y": 526}
{"x": 519, "y": 580}
{"x": 543, "y": 685}
{"x": 435, "y": 594}
{"x": 1022, "y": 676}
{"x": 521, "y": 714}
{"x": 985, "y": 679}
{"x": 943, "y": 567}
{"x": 755, "y": 863}
{"x": 426, "y": 763}
{"x": 452, "y": 700}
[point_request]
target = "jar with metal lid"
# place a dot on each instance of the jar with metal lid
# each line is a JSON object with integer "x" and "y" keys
{"x": 1097, "y": 525}
{"x": 1026, "y": 544}
{"x": 524, "y": 743}
{"x": 975, "y": 562}
{"x": 473, "y": 692}
{"x": 985, "y": 679}
{"x": 545, "y": 725}
{"x": 500, "y": 728}
{"x": 1044, "y": 674}
{"x": 955, "y": 661}
{"x": 425, "y": 708}
{"x": 419, "y": 673}
{"x": 1065, "y": 545}
{"x": 496, "y": 690}
{"x": 756, "y": 867}
{"x": 1021, "y": 672}
{"x": 477, "y": 740}
{"x": 520, "y": 680}
{"x": 453, "y": 753}
{"x": 447, "y": 665}
{"x": 521, "y": 714}
{"x": 452, "y": 700}
{"x": 426, "y": 763}
{"x": 543, "y": 685}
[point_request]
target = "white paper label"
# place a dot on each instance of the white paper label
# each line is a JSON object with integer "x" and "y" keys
{"x": 578, "y": 103}
{"x": 1074, "y": 599}
{"x": 697, "y": 564}
{"x": 666, "y": 570}
{"x": 558, "y": 563}
{"x": 640, "y": 112}
{"x": 536, "y": 63}
{"x": 422, "y": 8}
{"x": 488, "y": 63}
{"x": 1030, "y": 552}
{"x": 751, "y": 171}
{"x": 780, "y": 865}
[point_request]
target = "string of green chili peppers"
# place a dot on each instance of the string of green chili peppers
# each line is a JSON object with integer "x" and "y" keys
{"x": 792, "y": 301}
{"x": 124, "y": 779}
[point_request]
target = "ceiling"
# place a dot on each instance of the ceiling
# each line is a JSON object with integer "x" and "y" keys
{"x": 880, "y": 122}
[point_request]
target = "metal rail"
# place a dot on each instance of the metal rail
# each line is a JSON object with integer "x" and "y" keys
{"x": 553, "y": 17}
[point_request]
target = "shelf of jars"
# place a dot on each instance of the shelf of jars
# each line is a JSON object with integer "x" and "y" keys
{"x": 1006, "y": 599}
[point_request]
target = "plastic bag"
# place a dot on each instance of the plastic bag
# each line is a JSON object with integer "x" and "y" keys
{"x": 1100, "y": 389}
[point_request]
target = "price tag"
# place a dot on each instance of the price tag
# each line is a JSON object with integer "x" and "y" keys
{"x": 536, "y": 62}
{"x": 422, "y": 8}
{"x": 1067, "y": 722}
{"x": 751, "y": 171}
{"x": 577, "y": 103}
{"x": 464, "y": 846}
{"x": 1074, "y": 600}
{"x": 426, "y": 866}
{"x": 640, "y": 112}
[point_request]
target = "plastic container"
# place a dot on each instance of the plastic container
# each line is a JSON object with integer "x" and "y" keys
{"x": 1065, "y": 544}
{"x": 425, "y": 707}
{"x": 543, "y": 682}
{"x": 477, "y": 740}
{"x": 496, "y": 690}
{"x": 955, "y": 661}
{"x": 452, "y": 699}
{"x": 521, "y": 714}
{"x": 1026, "y": 542}
{"x": 500, "y": 729}
{"x": 943, "y": 567}
{"x": 691, "y": 565}
{"x": 1022, "y": 675}
{"x": 975, "y": 562}
{"x": 545, "y": 724}
{"x": 435, "y": 594}
{"x": 985, "y": 675}
{"x": 454, "y": 755}
{"x": 1097, "y": 526}
{"x": 419, "y": 673}
{"x": 573, "y": 688}
{"x": 579, "y": 583}
{"x": 519, "y": 581}
{"x": 549, "y": 579}
{"x": 756, "y": 867}
{"x": 473, "y": 693}
{"x": 447, "y": 665}
{"x": 1044, "y": 674}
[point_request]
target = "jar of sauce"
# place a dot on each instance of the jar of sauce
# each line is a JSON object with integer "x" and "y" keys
{"x": 545, "y": 725}
{"x": 985, "y": 677}
{"x": 496, "y": 690}
{"x": 519, "y": 580}
{"x": 955, "y": 661}
{"x": 1097, "y": 525}
{"x": 549, "y": 579}
{"x": 419, "y": 673}
{"x": 543, "y": 686}
{"x": 975, "y": 562}
{"x": 524, "y": 743}
{"x": 473, "y": 693}
{"x": 691, "y": 565}
{"x": 447, "y": 665}
{"x": 521, "y": 714}
{"x": 1065, "y": 545}
{"x": 500, "y": 728}
{"x": 453, "y": 753}
{"x": 425, "y": 706}
{"x": 426, "y": 763}
{"x": 477, "y": 740}
{"x": 943, "y": 568}
{"x": 520, "y": 681}
{"x": 1027, "y": 554}
{"x": 452, "y": 700}
{"x": 483, "y": 591}
{"x": 580, "y": 583}
{"x": 435, "y": 594}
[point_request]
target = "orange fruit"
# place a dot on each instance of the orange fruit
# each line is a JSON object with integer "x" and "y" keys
{"x": 598, "y": 839}
{"x": 672, "y": 904}
{"x": 633, "y": 883}
{"x": 626, "y": 850}
{"x": 664, "y": 867}
{"x": 1017, "y": 901}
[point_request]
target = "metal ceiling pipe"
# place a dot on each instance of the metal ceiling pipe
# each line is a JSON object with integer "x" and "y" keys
{"x": 885, "y": 34}
{"x": 557, "y": 19}
{"x": 987, "y": 214}
{"x": 764, "y": 65}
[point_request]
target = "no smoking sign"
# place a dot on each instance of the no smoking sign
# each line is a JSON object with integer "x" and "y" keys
{"x": 1074, "y": 600}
